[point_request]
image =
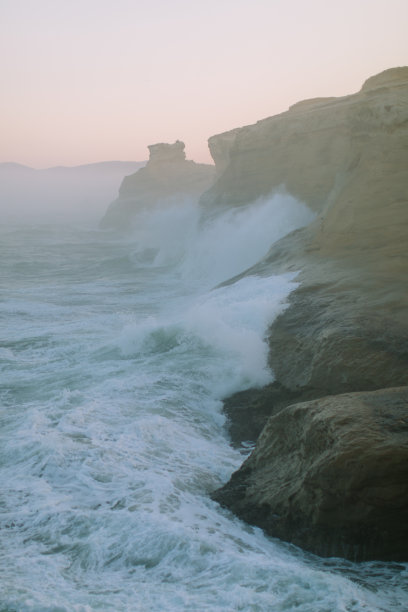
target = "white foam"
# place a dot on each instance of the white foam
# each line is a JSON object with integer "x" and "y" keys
{"x": 226, "y": 328}
{"x": 112, "y": 437}
{"x": 231, "y": 320}
{"x": 223, "y": 246}
{"x": 238, "y": 238}
{"x": 163, "y": 234}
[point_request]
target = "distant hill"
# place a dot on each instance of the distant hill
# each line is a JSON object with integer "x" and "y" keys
{"x": 80, "y": 192}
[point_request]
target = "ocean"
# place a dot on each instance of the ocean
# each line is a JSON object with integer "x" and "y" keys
{"x": 115, "y": 354}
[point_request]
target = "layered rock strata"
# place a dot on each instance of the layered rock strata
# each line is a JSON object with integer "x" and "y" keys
{"x": 167, "y": 177}
{"x": 346, "y": 327}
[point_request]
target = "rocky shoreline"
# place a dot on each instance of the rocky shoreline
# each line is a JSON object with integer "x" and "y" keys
{"x": 338, "y": 336}
{"x": 330, "y": 469}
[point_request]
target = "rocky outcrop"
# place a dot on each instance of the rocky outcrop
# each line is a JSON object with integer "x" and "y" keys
{"x": 347, "y": 332}
{"x": 346, "y": 327}
{"x": 331, "y": 476}
{"x": 167, "y": 177}
{"x": 344, "y": 157}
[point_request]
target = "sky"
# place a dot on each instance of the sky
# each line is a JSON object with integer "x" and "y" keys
{"x": 84, "y": 81}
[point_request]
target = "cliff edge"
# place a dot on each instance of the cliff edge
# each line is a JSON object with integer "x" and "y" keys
{"x": 167, "y": 176}
{"x": 346, "y": 327}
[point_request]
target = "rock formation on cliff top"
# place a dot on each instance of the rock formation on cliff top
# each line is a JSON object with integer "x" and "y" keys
{"x": 346, "y": 327}
{"x": 167, "y": 176}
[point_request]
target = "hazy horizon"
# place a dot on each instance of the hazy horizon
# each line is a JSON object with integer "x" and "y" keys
{"x": 75, "y": 166}
{"x": 60, "y": 193}
{"x": 89, "y": 81}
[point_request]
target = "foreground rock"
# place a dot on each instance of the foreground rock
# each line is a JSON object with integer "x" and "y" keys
{"x": 166, "y": 178}
{"x": 331, "y": 476}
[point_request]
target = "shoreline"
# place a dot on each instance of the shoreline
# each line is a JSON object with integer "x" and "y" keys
{"x": 343, "y": 334}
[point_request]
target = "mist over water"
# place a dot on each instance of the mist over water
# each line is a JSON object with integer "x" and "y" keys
{"x": 213, "y": 250}
{"x": 60, "y": 194}
{"x": 114, "y": 357}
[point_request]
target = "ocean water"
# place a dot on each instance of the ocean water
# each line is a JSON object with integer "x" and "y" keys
{"x": 115, "y": 354}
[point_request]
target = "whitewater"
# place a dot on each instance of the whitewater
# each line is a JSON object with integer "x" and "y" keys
{"x": 115, "y": 355}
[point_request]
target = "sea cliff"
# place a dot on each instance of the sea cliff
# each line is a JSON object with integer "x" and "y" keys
{"x": 167, "y": 177}
{"x": 345, "y": 331}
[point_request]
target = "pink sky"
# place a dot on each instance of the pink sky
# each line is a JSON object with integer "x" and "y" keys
{"x": 91, "y": 80}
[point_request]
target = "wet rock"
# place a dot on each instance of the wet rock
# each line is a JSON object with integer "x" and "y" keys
{"x": 319, "y": 477}
{"x": 248, "y": 411}
{"x": 331, "y": 476}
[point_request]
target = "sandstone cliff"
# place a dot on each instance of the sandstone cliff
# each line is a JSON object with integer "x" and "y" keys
{"x": 346, "y": 329}
{"x": 346, "y": 158}
{"x": 167, "y": 176}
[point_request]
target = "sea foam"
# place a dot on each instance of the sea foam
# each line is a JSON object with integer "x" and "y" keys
{"x": 114, "y": 361}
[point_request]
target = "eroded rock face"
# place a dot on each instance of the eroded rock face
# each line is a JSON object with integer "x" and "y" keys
{"x": 346, "y": 158}
{"x": 166, "y": 178}
{"x": 331, "y": 476}
{"x": 346, "y": 327}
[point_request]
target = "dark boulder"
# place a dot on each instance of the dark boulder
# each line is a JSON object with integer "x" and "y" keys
{"x": 331, "y": 476}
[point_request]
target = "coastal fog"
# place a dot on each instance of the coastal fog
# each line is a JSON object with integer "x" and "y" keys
{"x": 79, "y": 193}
